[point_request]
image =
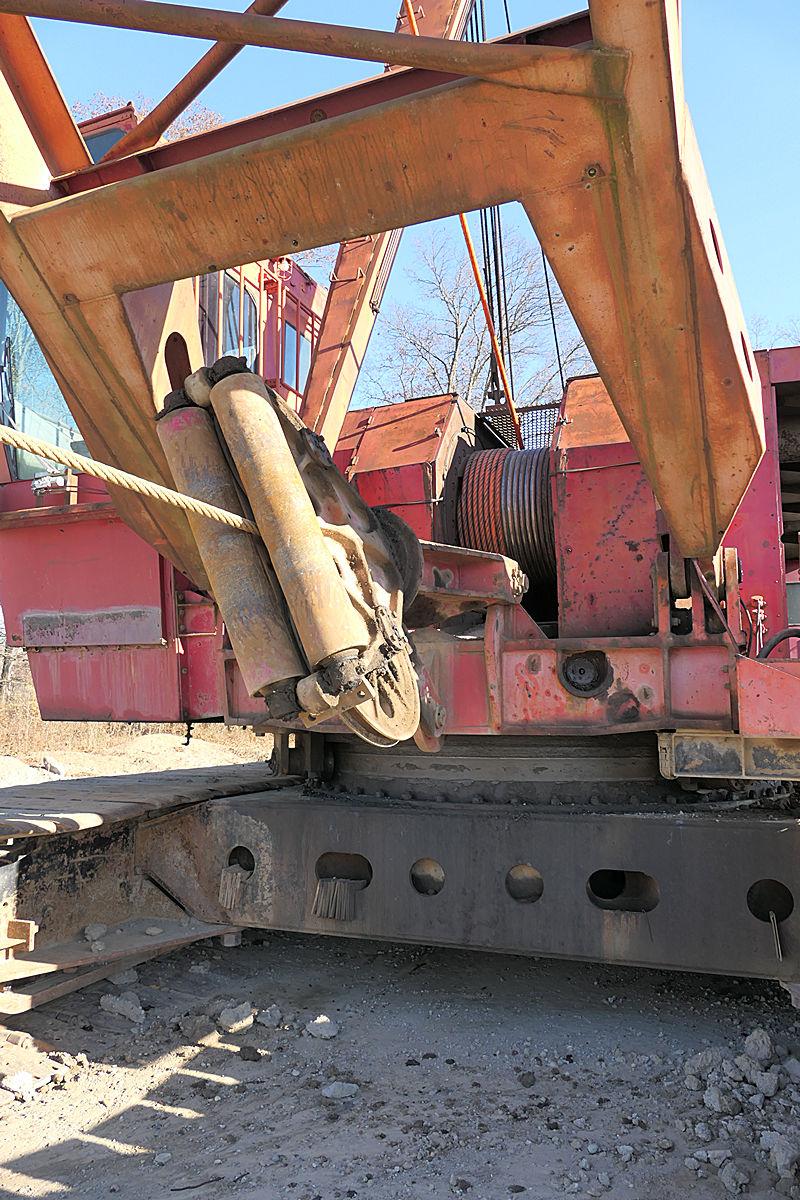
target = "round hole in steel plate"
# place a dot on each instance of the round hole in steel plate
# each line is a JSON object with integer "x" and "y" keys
{"x": 240, "y": 856}
{"x": 767, "y": 896}
{"x": 427, "y": 876}
{"x": 623, "y": 891}
{"x": 524, "y": 883}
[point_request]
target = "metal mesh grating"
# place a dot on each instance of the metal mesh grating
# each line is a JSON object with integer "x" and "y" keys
{"x": 537, "y": 421}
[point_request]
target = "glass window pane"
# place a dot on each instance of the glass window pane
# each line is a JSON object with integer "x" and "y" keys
{"x": 207, "y": 316}
{"x": 290, "y": 355}
{"x": 305, "y": 362}
{"x": 30, "y": 399}
{"x": 230, "y": 316}
{"x": 250, "y": 332}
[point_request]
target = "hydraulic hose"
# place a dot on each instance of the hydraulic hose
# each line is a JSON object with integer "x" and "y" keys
{"x": 791, "y": 631}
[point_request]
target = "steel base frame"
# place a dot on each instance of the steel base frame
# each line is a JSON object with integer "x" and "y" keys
{"x": 618, "y": 887}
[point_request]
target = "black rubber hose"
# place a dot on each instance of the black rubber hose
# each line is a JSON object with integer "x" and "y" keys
{"x": 791, "y": 631}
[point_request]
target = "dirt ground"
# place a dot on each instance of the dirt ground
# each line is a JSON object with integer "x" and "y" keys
{"x": 128, "y": 756}
{"x": 479, "y": 1075}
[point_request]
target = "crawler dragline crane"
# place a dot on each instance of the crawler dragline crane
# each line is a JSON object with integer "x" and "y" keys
{"x": 521, "y": 698}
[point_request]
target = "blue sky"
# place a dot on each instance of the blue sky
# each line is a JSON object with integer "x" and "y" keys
{"x": 742, "y": 82}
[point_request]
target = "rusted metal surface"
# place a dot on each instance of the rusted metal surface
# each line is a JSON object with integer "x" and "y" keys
{"x": 458, "y": 580}
{"x": 515, "y": 679}
{"x": 644, "y": 200}
{"x": 281, "y": 33}
{"x": 761, "y": 553}
{"x": 409, "y": 457}
{"x": 241, "y": 579}
{"x": 728, "y": 756}
{"x": 125, "y": 625}
{"x": 606, "y": 528}
{"x": 476, "y": 845}
{"x": 326, "y": 622}
{"x": 362, "y": 266}
{"x": 486, "y": 679}
{"x": 39, "y": 97}
{"x": 359, "y": 278}
{"x": 391, "y": 85}
{"x": 612, "y": 233}
{"x": 158, "y": 120}
{"x": 366, "y": 142}
{"x": 110, "y": 393}
{"x": 768, "y": 698}
{"x": 102, "y": 554}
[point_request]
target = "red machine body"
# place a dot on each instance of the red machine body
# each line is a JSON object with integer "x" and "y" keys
{"x": 114, "y": 632}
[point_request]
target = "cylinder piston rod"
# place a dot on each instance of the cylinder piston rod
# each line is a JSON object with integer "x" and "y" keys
{"x": 262, "y": 641}
{"x": 326, "y": 621}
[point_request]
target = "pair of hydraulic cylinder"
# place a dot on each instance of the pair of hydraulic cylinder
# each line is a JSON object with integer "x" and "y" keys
{"x": 285, "y": 606}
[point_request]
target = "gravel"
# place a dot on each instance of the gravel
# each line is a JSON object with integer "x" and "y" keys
{"x": 523, "y": 1080}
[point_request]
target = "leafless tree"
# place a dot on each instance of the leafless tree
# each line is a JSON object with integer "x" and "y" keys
{"x": 438, "y": 342}
{"x": 197, "y": 118}
{"x": 766, "y": 334}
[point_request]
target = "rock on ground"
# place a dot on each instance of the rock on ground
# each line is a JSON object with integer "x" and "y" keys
{"x": 124, "y": 1004}
{"x": 758, "y": 1046}
{"x": 234, "y": 1018}
{"x": 340, "y": 1091}
{"x": 322, "y": 1027}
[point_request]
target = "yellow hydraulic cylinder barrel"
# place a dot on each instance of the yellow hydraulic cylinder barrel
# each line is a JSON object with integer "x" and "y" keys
{"x": 248, "y": 599}
{"x": 327, "y": 624}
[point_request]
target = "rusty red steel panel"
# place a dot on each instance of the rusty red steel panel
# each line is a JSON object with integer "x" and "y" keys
{"x": 406, "y": 456}
{"x": 199, "y": 645}
{"x": 701, "y": 679}
{"x": 88, "y": 569}
{"x": 606, "y": 530}
{"x": 533, "y": 694}
{"x": 510, "y": 682}
{"x": 514, "y": 688}
{"x": 784, "y": 364}
{"x": 98, "y": 684}
{"x": 413, "y": 483}
{"x": 134, "y": 625}
{"x": 768, "y": 696}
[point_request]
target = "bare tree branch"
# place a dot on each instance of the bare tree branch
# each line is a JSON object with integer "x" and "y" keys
{"x": 438, "y": 341}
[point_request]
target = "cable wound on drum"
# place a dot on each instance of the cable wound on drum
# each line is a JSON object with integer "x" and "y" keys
{"x": 505, "y": 507}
